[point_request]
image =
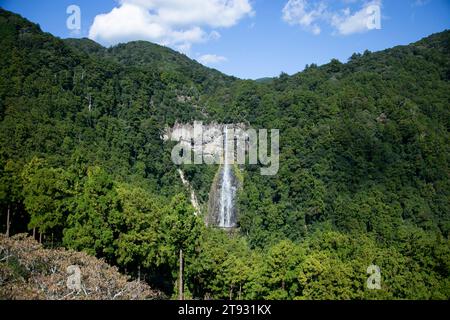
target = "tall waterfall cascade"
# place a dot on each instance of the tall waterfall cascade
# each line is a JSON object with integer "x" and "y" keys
{"x": 226, "y": 193}
{"x": 218, "y": 142}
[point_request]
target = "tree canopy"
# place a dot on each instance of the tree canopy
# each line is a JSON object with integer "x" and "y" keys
{"x": 363, "y": 179}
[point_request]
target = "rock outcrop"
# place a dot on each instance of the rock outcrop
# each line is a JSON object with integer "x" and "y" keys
{"x": 206, "y": 143}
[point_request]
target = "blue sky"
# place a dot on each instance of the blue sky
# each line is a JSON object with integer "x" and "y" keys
{"x": 247, "y": 38}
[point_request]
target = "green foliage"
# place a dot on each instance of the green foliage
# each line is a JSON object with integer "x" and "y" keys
{"x": 363, "y": 179}
{"x": 89, "y": 225}
{"x": 45, "y": 193}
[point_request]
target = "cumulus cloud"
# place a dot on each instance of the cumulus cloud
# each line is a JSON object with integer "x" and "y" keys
{"x": 210, "y": 59}
{"x": 360, "y": 21}
{"x": 305, "y": 14}
{"x": 176, "y": 23}
{"x": 312, "y": 15}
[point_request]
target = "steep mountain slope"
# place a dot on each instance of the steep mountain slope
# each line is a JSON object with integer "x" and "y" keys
{"x": 161, "y": 59}
{"x": 363, "y": 179}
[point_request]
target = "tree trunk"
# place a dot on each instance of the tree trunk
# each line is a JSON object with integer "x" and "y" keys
{"x": 8, "y": 222}
{"x": 180, "y": 283}
{"x": 40, "y": 237}
{"x": 34, "y": 233}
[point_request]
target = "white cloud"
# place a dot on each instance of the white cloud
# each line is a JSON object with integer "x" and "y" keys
{"x": 313, "y": 15}
{"x": 346, "y": 22}
{"x": 301, "y": 12}
{"x": 210, "y": 59}
{"x": 176, "y": 23}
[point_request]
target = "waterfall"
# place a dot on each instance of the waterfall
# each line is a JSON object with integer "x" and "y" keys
{"x": 226, "y": 195}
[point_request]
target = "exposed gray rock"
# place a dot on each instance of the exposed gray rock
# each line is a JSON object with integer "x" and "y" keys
{"x": 207, "y": 143}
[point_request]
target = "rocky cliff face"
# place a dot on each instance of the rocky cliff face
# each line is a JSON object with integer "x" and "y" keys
{"x": 214, "y": 203}
{"x": 207, "y": 145}
{"x": 205, "y": 140}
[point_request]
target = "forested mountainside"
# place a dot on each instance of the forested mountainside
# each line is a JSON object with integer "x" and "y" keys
{"x": 363, "y": 179}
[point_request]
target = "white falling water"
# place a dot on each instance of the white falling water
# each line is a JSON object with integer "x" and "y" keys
{"x": 226, "y": 196}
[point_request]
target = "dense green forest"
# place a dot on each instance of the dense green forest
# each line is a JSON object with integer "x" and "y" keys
{"x": 363, "y": 179}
